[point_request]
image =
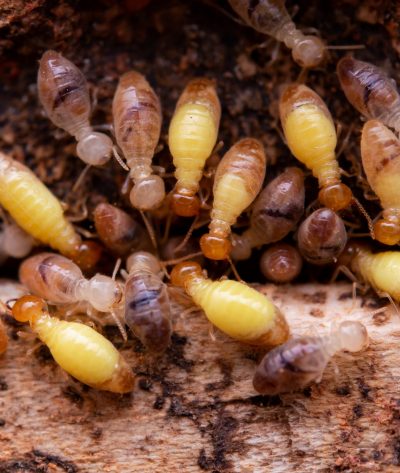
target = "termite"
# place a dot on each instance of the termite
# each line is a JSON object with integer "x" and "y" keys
{"x": 270, "y": 17}
{"x": 311, "y": 136}
{"x": 64, "y": 95}
{"x": 235, "y": 308}
{"x": 78, "y": 349}
{"x": 147, "y": 306}
{"x": 370, "y": 91}
{"x": 275, "y": 213}
{"x": 14, "y": 242}
{"x": 3, "y": 338}
{"x": 118, "y": 230}
{"x": 35, "y": 209}
{"x": 137, "y": 124}
{"x": 281, "y": 263}
{"x": 59, "y": 281}
{"x": 380, "y": 152}
{"x": 302, "y": 360}
{"x": 322, "y": 237}
{"x": 192, "y": 136}
{"x": 238, "y": 180}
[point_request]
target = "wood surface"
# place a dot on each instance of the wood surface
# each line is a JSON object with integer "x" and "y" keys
{"x": 195, "y": 409}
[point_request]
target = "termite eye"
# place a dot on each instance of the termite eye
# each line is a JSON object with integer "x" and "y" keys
{"x": 28, "y": 308}
{"x": 387, "y": 232}
{"x": 95, "y": 149}
{"x": 336, "y": 196}
{"x": 182, "y": 270}
{"x": 88, "y": 255}
{"x": 148, "y": 193}
{"x": 215, "y": 247}
{"x": 310, "y": 52}
{"x": 185, "y": 205}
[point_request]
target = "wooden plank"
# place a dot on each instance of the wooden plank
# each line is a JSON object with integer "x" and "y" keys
{"x": 195, "y": 409}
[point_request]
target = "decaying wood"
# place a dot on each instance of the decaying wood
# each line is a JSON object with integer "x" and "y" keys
{"x": 195, "y": 409}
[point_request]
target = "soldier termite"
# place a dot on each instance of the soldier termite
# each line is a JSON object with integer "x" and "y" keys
{"x": 235, "y": 308}
{"x": 270, "y": 17}
{"x": 78, "y": 349}
{"x": 147, "y": 305}
{"x": 302, "y": 360}
{"x": 281, "y": 263}
{"x": 192, "y": 136}
{"x": 65, "y": 97}
{"x": 238, "y": 180}
{"x": 275, "y": 213}
{"x": 322, "y": 237}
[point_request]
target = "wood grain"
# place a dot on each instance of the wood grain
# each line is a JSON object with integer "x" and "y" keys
{"x": 195, "y": 409}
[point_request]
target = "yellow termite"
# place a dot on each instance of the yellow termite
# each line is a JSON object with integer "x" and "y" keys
{"x": 64, "y": 95}
{"x": 380, "y": 152}
{"x": 235, "y": 308}
{"x": 35, "y": 209}
{"x": 78, "y": 349}
{"x": 311, "y": 136}
{"x": 192, "y": 136}
{"x": 238, "y": 180}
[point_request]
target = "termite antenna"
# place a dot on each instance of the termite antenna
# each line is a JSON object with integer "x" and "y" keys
{"x": 119, "y": 159}
{"x": 149, "y": 228}
{"x": 116, "y": 268}
{"x": 187, "y": 236}
{"x": 171, "y": 262}
{"x": 367, "y": 217}
{"x": 81, "y": 178}
{"x": 345, "y": 47}
{"x": 120, "y": 326}
{"x": 234, "y": 270}
{"x": 167, "y": 228}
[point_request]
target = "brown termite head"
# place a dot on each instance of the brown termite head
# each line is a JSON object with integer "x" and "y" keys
{"x": 369, "y": 90}
{"x": 118, "y": 230}
{"x": 281, "y": 263}
{"x": 322, "y": 237}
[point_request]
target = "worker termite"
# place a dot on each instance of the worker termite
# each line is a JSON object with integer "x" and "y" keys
{"x": 35, "y": 209}
{"x": 302, "y": 360}
{"x": 311, "y": 137}
{"x": 192, "y": 136}
{"x": 118, "y": 230}
{"x": 380, "y": 152}
{"x": 65, "y": 97}
{"x": 235, "y": 308}
{"x": 275, "y": 213}
{"x": 58, "y": 280}
{"x": 281, "y": 263}
{"x": 137, "y": 125}
{"x": 370, "y": 91}
{"x": 322, "y": 237}
{"x": 270, "y": 17}
{"x": 3, "y": 338}
{"x": 238, "y": 180}
{"x": 14, "y": 242}
{"x": 147, "y": 306}
{"x": 78, "y": 349}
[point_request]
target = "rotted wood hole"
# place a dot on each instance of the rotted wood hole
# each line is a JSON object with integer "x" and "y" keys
{"x": 194, "y": 409}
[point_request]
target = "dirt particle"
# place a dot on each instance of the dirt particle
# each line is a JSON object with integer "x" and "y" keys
{"x": 319, "y": 297}
{"x": 2, "y": 422}
{"x": 343, "y": 390}
{"x": 3, "y": 384}
{"x": 96, "y": 433}
{"x": 357, "y": 411}
{"x": 226, "y": 371}
{"x": 73, "y": 395}
{"x": 176, "y": 352}
{"x": 318, "y": 313}
{"x": 364, "y": 389}
{"x": 345, "y": 295}
{"x": 145, "y": 384}
{"x": 265, "y": 401}
{"x": 159, "y": 403}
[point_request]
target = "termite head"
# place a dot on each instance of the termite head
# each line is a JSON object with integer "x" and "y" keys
{"x": 28, "y": 309}
{"x": 352, "y": 249}
{"x": 387, "y": 231}
{"x": 184, "y": 271}
{"x": 215, "y": 247}
{"x": 143, "y": 260}
{"x": 87, "y": 255}
{"x": 104, "y": 293}
{"x": 336, "y": 196}
{"x": 185, "y": 205}
{"x": 148, "y": 193}
{"x": 309, "y": 52}
{"x": 95, "y": 148}
{"x": 353, "y": 336}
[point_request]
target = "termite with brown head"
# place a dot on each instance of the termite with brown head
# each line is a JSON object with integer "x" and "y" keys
{"x": 276, "y": 212}
{"x": 370, "y": 91}
{"x": 118, "y": 230}
{"x": 322, "y": 237}
{"x": 64, "y": 95}
{"x": 281, "y": 263}
{"x": 238, "y": 180}
{"x": 147, "y": 306}
{"x": 78, "y": 349}
{"x": 302, "y": 360}
{"x": 380, "y": 152}
{"x": 270, "y": 17}
{"x": 137, "y": 126}
{"x": 192, "y": 136}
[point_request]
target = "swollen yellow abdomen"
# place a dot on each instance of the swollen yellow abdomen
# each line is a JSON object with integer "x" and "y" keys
{"x": 35, "y": 208}
{"x": 236, "y": 309}
{"x": 192, "y": 137}
{"x": 231, "y": 197}
{"x": 79, "y": 350}
{"x": 311, "y": 137}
